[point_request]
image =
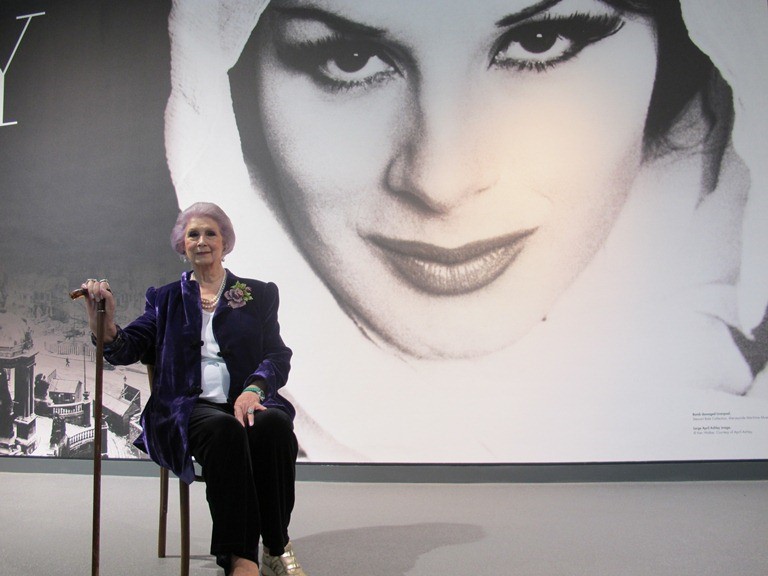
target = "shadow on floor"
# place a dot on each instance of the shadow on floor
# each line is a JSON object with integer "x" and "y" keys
{"x": 382, "y": 550}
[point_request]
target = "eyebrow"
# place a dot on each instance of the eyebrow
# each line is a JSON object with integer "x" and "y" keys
{"x": 526, "y": 13}
{"x": 334, "y": 21}
{"x": 341, "y": 24}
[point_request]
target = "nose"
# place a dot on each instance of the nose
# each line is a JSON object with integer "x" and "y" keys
{"x": 441, "y": 159}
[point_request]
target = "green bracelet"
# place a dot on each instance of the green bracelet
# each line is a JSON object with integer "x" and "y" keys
{"x": 256, "y": 390}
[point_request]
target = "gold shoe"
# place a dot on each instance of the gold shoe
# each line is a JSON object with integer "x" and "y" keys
{"x": 283, "y": 565}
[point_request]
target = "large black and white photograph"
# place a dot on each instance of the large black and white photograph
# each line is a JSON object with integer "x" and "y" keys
{"x": 503, "y": 231}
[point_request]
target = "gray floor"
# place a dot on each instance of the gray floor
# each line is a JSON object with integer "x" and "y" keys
{"x": 339, "y": 529}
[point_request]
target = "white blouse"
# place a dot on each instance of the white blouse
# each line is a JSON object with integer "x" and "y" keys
{"x": 215, "y": 376}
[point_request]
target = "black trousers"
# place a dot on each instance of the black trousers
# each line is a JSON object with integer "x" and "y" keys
{"x": 249, "y": 474}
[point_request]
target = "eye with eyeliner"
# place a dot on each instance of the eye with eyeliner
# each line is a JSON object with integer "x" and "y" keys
{"x": 540, "y": 44}
{"x": 338, "y": 62}
{"x": 341, "y": 61}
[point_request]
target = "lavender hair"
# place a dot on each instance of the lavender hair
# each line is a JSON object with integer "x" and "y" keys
{"x": 203, "y": 210}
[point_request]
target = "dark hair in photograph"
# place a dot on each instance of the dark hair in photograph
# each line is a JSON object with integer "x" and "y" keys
{"x": 682, "y": 72}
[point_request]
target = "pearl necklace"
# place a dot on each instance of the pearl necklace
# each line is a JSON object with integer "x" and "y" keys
{"x": 209, "y": 304}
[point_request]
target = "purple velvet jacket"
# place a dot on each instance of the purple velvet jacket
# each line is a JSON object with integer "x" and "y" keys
{"x": 168, "y": 336}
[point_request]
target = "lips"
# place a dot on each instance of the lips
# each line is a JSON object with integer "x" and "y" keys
{"x": 452, "y": 271}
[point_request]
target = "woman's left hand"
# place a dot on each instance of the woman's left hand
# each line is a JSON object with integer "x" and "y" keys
{"x": 245, "y": 406}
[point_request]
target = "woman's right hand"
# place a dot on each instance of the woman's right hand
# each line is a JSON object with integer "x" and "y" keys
{"x": 98, "y": 290}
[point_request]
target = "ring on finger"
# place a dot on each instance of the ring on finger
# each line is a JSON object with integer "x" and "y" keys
{"x": 250, "y": 410}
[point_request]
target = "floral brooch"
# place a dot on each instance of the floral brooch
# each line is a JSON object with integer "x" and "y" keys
{"x": 238, "y": 295}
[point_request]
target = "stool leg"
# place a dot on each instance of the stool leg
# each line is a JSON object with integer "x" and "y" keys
{"x": 184, "y": 514}
{"x": 163, "y": 521}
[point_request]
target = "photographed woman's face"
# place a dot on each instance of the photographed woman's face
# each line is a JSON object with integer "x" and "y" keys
{"x": 449, "y": 167}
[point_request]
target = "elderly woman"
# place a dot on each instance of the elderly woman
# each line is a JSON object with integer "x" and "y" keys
{"x": 219, "y": 365}
{"x": 528, "y": 228}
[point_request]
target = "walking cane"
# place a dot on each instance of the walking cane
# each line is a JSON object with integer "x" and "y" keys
{"x": 97, "y": 409}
